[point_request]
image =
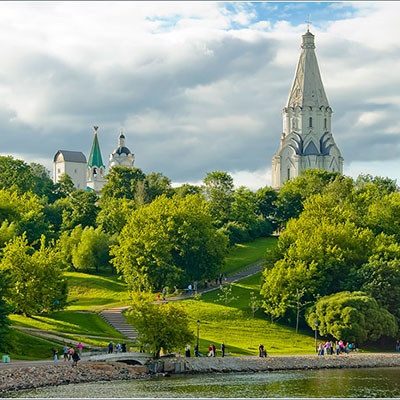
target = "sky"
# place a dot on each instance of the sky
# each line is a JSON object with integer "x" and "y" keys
{"x": 196, "y": 87}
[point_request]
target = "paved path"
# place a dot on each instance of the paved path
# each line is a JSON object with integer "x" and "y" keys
{"x": 116, "y": 319}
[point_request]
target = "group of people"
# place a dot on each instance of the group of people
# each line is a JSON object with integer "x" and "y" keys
{"x": 69, "y": 353}
{"x": 119, "y": 348}
{"x": 212, "y": 351}
{"x": 262, "y": 352}
{"x": 337, "y": 348}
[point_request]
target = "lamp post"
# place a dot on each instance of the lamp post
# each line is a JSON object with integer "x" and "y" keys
{"x": 316, "y": 334}
{"x": 197, "y": 343}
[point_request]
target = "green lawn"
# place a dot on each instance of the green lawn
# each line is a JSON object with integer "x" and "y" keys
{"x": 232, "y": 323}
{"x": 235, "y": 325}
{"x": 243, "y": 255}
{"x": 94, "y": 292}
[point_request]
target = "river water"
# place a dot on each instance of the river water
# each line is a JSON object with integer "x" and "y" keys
{"x": 350, "y": 383}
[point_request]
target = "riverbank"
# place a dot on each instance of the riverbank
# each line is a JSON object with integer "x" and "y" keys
{"x": 16, "y": 378}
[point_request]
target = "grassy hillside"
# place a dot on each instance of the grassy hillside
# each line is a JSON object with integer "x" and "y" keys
{"x": 235, "y": 325}
{"x": 232, "y": 323}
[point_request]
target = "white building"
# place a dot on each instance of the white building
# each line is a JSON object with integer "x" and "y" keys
{"x": 72, "y": 163}
{"x": 121, "y": 156}
{"x": 306, "y": 141}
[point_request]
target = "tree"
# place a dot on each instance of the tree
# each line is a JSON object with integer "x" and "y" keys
{"x": 16, "y": 174}
{"x": 380, "y": 276}
{"x": 225, "y": 295}
{"x": 218, "y": 189}
{"x": 44, "y": 185}
{"x": 352, "y": 316}
{"x": 36, "y": 282}
{"x": 4, "y": 310}
{"x": 80, "y": 208}
{"x": 122, "y": 182}
{"x": 114, "y": 214}
{"x": 25, "y": 211}
{"x": 266, "y": 203}
{"x": 186, "y": 188}
{"x": 292, "y": 195}
{"x": 156, "y": 184}
{"x": 65, "y": 186}
{"x": 160, "y": 325}
{"x": 92, "y": 250}
{"x": 169, "y": 242}
{"x": 323, "y": 265}
{"x": 254, "y": 303}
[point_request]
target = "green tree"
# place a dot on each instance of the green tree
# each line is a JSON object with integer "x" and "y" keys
{"x": 114, "y": 214}
{"x": 156, "y": 184}
{"x": 320, "y": 252}
{"x": 292, "y": 195}
{"x": 16, "y": 174}
{"x": 160, "y": 326}
{"x": 266, "y": 203}
{"x": 186, "y": 188}
{"x": 169, "y": 242}
{"x": 92, "y": 250}
{"x": 4, "y": 310}
{"x": 352, "y": 316}
{"x": 65, "y": 186}
{"x": 218, "y": 189}
{"x": 80, "y": 208}
{"x": 25, "y": 211}
{"x": 122, "y": 182}
{"x": 36, "y": 282}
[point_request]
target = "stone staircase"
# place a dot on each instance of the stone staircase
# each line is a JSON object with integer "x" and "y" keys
{"x": 116, "y": 319}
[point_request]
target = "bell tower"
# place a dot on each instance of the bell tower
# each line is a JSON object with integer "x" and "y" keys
{"x": 95, "y": 167}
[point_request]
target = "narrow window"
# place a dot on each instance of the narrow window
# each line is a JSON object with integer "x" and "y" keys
{"x": 288, "y": 173}
{"x": 310, "y": 122}
{"x": 325, "y": 123}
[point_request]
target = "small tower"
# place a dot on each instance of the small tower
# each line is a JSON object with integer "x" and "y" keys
{"x": 306, "y": 141}
{"x": 95, "y": 167}
{"x": 71, "y": 163}
{"x": 121, "y": 156}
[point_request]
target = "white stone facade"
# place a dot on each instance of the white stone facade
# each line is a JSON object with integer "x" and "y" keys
{"x": 73, "y": 164}
{"x": 307, "y": 141}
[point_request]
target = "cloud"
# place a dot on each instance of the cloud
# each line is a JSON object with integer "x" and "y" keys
{"x": 196, "y": 86}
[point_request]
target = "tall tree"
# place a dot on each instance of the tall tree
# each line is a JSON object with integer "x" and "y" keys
{"x": 169, "y": 242}
{"x": 218, "y": 189}
{"x": 122, "y": 182}
{"x": 36, "y": 282}
{"x": 160, "y": 326}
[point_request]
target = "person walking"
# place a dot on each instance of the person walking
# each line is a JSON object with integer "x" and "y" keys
{"x": 55, "y": 356}
{"x": 222, "y": 349}
{"x": 110, "y": 348}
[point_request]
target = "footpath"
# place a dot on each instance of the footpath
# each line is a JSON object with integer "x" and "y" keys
{"x": 115, "y": 317}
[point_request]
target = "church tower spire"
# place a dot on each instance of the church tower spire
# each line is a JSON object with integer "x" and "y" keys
{"x": 95, "y": 168}
{"x": 306, "y": 141}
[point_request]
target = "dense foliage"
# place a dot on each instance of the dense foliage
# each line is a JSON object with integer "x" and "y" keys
{"x": 352, "y": 316}
{"x": 342, "y": 238}
{"x": 170, "y": 242}
{"x": 161, "y": 326}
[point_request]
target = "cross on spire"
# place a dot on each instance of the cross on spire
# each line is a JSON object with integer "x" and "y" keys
{"x": 308, "y": 23}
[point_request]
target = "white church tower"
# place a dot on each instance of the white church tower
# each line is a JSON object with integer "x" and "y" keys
{"x": 121, "y": 156}
{"x": 306, "y": 141}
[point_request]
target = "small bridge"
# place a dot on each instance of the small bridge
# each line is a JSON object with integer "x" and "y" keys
{"x": 131, "y": 357}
